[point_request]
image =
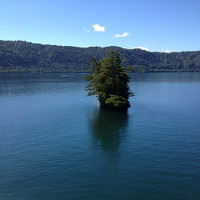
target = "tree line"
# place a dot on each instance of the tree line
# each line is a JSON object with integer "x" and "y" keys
{"x": 21, "y": 56}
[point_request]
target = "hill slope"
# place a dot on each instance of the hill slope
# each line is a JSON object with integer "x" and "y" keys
{"x": 20, "y": 56}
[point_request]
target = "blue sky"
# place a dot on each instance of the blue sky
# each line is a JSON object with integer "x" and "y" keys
{"x": 157, "y": 25}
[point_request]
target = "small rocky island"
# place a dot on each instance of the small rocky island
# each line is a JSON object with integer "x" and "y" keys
{"x": 108, "y": 80}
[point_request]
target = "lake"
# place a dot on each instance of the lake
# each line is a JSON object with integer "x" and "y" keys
{"x": 56, "y": 144}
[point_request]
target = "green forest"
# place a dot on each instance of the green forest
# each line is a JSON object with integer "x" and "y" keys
{"x": 21, "y": 56}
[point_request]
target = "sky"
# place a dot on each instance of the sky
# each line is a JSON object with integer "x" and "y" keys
{"x": 153, "y": 25}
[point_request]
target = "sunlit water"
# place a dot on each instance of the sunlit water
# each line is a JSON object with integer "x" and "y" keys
{"x": 55, "y": 143}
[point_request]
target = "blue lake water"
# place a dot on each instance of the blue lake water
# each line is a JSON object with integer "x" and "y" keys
{"x": 56, "y": 144}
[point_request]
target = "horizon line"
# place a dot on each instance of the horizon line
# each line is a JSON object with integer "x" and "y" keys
{"x": 98, "y": 47}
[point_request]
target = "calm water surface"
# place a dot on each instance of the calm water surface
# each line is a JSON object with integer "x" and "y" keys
{"x": 55, "y": 143}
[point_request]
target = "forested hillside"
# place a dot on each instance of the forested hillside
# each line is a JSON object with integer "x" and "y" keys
{"x": 20, "y": 56}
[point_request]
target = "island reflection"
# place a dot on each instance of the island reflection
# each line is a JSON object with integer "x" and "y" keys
{"x": 108, "y": 128}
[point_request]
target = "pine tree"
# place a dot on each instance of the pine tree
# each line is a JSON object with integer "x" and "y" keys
{"x": 109, "y": 82}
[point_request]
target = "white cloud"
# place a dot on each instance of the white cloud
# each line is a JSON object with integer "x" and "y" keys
{"x": 167, "y": 51}
{"x": 86, "y": 30}
{"x": 142, "y": 48}
{"x": 99, "y": 28}
{"x": 122, "y": 35}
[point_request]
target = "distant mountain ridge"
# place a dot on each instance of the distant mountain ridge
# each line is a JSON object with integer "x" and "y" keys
{"x": 21, "y": 56}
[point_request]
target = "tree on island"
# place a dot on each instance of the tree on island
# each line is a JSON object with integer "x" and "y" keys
{"x": 109, "y": 82}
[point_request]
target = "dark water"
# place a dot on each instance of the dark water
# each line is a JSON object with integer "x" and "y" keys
{"x": 55, "y": 143}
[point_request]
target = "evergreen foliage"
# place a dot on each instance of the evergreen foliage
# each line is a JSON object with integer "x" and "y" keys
{"x": 109, "y": 82}
{"x": 20, "y": 56}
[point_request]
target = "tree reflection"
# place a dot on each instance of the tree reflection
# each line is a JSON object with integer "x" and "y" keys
{"x": 108, "y": 128}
